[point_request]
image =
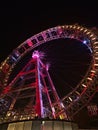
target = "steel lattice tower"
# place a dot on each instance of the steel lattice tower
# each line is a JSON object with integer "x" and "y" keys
{"x": 34, "y": 88}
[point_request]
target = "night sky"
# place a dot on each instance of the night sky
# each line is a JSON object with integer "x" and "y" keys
{"x": 20, "y": 21}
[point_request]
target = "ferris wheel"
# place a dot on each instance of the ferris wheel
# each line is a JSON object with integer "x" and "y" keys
{"x": 66, "y": 61}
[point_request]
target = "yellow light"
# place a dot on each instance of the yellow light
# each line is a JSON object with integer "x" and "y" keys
{"x": 74, "y": 27}
{"x": 63, "y": 26}
{"x": 66, "y": 26}
{"x": 96, "y": 47}
{"x": 81, "y": 29}
{"x": 8, "y": 114}
{"x": 70, "y": 26}
{"x": 84, "y": 85}
{"x": 88, "y": 33}
{"x": 77, "y": 92}
{"x": 85, "y": 30}
{"x": 89, "y": 78}
{"x": 96, "y": 58}
{"x": 43, "y": 122}
{"x": 78, "y": 27}
{"x": 93, "y": 71}
{"x": 95, "y": 64}
{"x": 91, "y": 35}
{"x": 93, "y": 38}
{"x": 95, "y": 43}
{"x": 61, "y": 117}
{"x": 70, "y": 99}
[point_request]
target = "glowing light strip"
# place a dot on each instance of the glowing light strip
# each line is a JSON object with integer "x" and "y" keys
{"x": 70, "y": 99}
{"x": 84, "y": 85}
{"x": 89, "y": 78}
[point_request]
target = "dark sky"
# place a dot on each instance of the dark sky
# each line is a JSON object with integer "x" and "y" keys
{"x": 20, "y": 21}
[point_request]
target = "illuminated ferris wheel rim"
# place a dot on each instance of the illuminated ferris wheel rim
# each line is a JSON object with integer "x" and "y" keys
{"x": 77, "y": 32}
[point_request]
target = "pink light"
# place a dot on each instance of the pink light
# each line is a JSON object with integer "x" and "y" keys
{"x": 35, "y": 54}
{"x": 47, "y": 66}
{"x": 60, "y": 30}
{"x": 29, "y": 42}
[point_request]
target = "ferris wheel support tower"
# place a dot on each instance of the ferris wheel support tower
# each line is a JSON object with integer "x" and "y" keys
{"x": 47, "y": 99}
{"x": 34, "y": 82}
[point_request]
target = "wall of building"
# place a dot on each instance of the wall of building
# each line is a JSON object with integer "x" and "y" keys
{"x": 40, "y": 125}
